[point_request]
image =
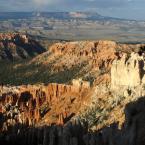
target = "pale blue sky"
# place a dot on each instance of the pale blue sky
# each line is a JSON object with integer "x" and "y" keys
{"x": 133, "y": 9}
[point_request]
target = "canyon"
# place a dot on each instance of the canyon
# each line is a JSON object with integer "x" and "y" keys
{"x": 93, "y": 94}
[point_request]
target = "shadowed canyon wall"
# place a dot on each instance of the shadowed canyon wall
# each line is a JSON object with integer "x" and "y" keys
{"x": 76, "y": 132}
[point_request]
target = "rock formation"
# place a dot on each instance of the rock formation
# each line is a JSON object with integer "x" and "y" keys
{"x": 76, "y": 132}
{"x": 17, "y": 46}
{"x": 29, "y": 104}
{"x": 99, "y": 53}
{"x": 127, "y": 73}
{"x": 50, "y": 114}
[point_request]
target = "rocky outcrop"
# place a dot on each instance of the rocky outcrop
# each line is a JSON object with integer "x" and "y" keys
{"x": 128, "y": 71}
{"x": 100, "y": 54}
{"x": 14, "y": 37}
{"x": 18, "y": 46}
{"x": 29, "y": 105}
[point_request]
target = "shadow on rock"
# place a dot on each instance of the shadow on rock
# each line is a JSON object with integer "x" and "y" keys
{"x": 76, "y": 132}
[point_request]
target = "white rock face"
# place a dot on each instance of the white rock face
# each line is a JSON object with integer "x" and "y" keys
{"x": 128, "y": 72}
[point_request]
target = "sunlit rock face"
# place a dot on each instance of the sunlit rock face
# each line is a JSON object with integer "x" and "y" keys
{"x": 128, "y": 71}
{"x": 36, "y": 104}
{"x": 128, "y": 75}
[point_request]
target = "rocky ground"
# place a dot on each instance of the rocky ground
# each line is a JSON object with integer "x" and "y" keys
{"x": 91, "y": 94}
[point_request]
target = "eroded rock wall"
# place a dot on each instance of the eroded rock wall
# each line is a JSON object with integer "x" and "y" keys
{"x": 77, "y": 133}
{"x": 28, "y": 105}
{"x": 18, "y": 46}
{"x": 99, "y": 54}
{"x": 126, "y": 71}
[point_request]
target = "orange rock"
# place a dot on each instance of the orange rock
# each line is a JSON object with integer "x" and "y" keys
{"x": 60, "y": 120}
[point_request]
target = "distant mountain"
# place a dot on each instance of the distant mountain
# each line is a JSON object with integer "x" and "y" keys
{"x": 55, "y": 15}
{"x": 15, "y": 15}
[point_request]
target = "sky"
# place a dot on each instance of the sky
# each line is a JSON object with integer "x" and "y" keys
{"x": 130, "y": 9}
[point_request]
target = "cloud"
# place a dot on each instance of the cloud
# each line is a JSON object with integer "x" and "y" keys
{"x": 41, "y": 3}
{"x": 112, "y": 7}
{"x": 68, "y": 4}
